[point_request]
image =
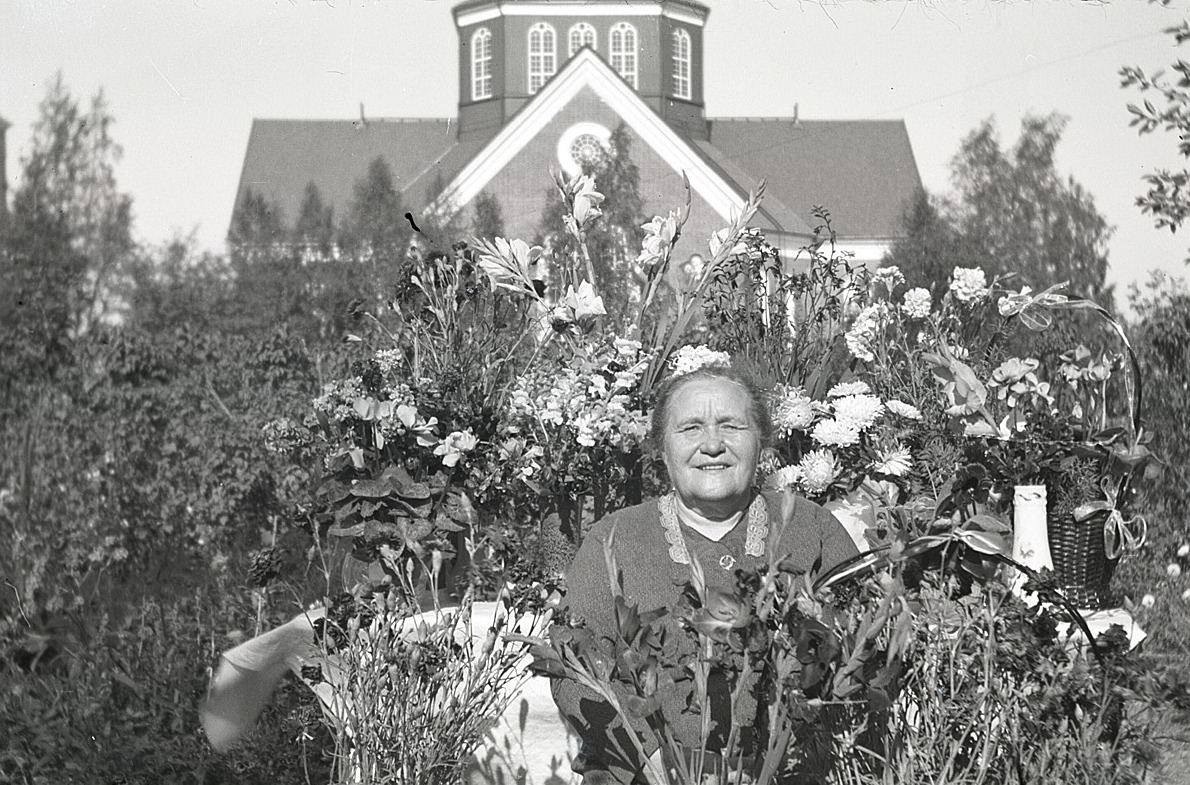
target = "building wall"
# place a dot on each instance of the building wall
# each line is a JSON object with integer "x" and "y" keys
{"x": 524, "y": 185}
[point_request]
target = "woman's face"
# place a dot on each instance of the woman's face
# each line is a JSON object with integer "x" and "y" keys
{"x": 711, "y": 446}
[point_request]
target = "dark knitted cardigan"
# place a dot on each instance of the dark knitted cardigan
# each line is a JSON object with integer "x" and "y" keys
{"x": 814, "y": 539}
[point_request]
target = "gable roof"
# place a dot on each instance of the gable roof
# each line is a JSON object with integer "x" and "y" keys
{"x": 862, "y": 171}
{"x": 284, "y": 155}
{"x": 588, "y": 70}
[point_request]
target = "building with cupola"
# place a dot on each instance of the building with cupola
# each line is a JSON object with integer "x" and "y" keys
{"x": 542, "y": 85}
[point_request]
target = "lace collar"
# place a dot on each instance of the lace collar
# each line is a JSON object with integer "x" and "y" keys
{"x": 758, "y": 528}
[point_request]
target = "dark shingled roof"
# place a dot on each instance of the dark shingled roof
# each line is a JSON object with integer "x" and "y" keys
{"x": 862, "y": 171}
{"x": 284, "y": 155}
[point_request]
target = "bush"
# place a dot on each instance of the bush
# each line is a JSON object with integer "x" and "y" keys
{"x": 122, "y": 707}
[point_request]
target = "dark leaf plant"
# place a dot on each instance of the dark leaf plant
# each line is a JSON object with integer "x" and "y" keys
{"x": 824, "y": 657}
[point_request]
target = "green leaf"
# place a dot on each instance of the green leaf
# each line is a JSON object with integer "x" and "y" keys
{"x": 372, "y": 489}
{"x": 987, "y": 523}
{"x": 984, "y": 542}
{"x": 338, "y": 530}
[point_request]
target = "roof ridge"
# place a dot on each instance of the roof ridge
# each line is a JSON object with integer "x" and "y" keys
{"x": 803, "y": 120}
{"x": 354, "y": 120}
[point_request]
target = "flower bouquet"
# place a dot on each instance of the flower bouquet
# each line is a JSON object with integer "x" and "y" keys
{"x": 1004, "y": 420}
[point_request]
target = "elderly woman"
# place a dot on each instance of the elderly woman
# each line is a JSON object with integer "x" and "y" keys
{"x": 711, "y": 425}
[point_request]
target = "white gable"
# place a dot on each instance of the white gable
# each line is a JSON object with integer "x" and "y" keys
{"x": 586, "y": 69}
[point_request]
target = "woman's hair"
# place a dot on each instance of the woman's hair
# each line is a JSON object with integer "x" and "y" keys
{"x": 758, "y": 410}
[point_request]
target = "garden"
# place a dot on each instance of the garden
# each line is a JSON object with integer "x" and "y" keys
{"x": 1009, "y": 456}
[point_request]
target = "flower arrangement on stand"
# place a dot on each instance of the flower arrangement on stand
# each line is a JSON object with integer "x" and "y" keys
{"x": 994, "y": 420}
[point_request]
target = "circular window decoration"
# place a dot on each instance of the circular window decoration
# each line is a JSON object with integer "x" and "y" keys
{"x": 581, "y": 143}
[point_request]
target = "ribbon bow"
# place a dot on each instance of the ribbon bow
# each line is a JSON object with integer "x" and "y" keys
{"x": 1119, "y": 535}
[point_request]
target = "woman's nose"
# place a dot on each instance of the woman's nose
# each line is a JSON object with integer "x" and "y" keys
{"x": 712, "y": 441}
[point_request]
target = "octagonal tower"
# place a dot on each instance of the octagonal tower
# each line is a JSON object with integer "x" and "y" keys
{"x": 509, "y": 49}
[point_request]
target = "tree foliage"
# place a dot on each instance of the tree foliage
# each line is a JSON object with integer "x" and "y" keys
{"x": 177, "y": 284}
{"x": 315, "y": 226}
{"x": 375, "y": 229}
{"x": 1011, "y": 212}
{"x": 1168, "y": 197}
{"x": 70, "y": 229}
{"x": 489, "y": 217}
{"x": 614, "y": 241}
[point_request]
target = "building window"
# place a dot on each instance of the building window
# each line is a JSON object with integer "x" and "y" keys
{"x": 481, "y": 64}
{"x": 582, "y": 34}
{"x": 682, "y": 64}
{"x": 543, "y": 59}
{"x": 623, "y": 51}
{"x": 583, "y": 144}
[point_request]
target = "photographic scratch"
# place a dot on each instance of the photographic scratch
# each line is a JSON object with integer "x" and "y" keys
{"x": 164, "y": 78}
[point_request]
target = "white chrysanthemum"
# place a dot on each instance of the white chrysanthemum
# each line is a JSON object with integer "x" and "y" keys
{"x": 835, "y": 433}
{"x": 902, "y": 409}
{"x": 848, "y": 388}
{"x": 859, "y": 410}
{"x": 969, "y": 284}
{"x": 690, "y": 358}
{"x": 895, "y": 462}
{"x": 917, "y": 303}
{"x": 794, "y": 412}
{"x": 786, "y": 476}
{"x": 818, "y": 470}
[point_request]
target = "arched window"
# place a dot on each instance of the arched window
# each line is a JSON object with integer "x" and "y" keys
{"x": 681, "y": 64}
{"x": 481, "y": 64}
{"x": 543, "y": 59}
{"x": 623, "y": 51}
{"x": 582, "y": 34}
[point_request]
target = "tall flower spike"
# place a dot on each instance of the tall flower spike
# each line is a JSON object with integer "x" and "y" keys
{"x": 509, "y": 263}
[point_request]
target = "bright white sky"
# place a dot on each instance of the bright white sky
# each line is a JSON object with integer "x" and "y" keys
{"x": 184, "y": 79}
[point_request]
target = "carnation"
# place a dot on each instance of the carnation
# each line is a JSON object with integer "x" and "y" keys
{"x": 848, "y": 388}
{"x": 890, "y": 277}
{"x": 969, "y": 284}
{"x": 818, "y": 470}
{"x": 793, "y": 412}
{"x": 863, "y": 330}
{"x": 835, "y": 433}
{"x": 917, "y": 303}
{"x": 691, "y": 358}
{"x": 859, "y": 410}
{"x": 902, "y": 409}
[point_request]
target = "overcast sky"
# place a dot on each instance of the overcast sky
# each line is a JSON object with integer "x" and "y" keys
{"x": 184, "y": 79}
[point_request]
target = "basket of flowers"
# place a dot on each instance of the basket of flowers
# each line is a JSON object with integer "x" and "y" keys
{"x": 1007, "y": 403}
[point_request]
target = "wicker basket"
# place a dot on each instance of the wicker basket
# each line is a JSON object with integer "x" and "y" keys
{"x": 1081, "y": 566}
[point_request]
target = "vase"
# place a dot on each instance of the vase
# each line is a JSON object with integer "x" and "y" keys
{"x": 1030, "y": 531}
